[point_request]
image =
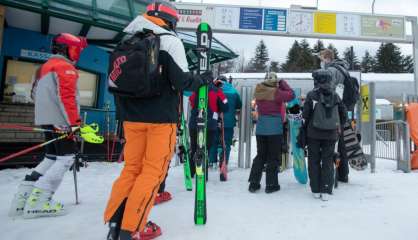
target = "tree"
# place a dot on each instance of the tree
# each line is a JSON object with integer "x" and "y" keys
{"x": 367, "y": 63}
{"x": 317, "y": 48}
{"x": 292, "y": 57}
{"x": 389, "y": 59}
{"x": 274, "y": 66}
{"x": 306, "y": 59}
{"x": 331, "y": 47}
{"x": 408, "y": 64}
{"x": 259, "y": 62}
{"x": 351, "y": 58}
{"x": 225, "y": 66}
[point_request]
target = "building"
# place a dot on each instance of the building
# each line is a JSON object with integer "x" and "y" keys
{"x": 26, "y": 31}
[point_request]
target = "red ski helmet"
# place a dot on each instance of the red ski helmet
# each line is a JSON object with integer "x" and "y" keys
{"x": 69, "y": 45}
{"x": 165, "y": 11}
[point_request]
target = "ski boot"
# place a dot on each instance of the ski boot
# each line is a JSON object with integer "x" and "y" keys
{"x": 40, "y": 204}
{"x": 150, "y": 231}
{"x": 162, "y": 198}
{"x": 19, "y": 200}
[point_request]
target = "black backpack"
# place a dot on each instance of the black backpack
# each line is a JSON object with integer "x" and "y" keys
{"x": 134, "y": 70}
{"x": 351, "y": 93}
{"x": 326, "y": 118}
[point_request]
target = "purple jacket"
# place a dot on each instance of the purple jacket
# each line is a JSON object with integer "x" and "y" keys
{"x": 283, "y": 94}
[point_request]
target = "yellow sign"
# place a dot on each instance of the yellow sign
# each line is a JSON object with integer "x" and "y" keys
{"x": 325, "y": 23}
{"x": 365, "y": 103}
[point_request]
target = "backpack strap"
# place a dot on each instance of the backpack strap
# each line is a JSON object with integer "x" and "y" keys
{"x": 342, "y": 70}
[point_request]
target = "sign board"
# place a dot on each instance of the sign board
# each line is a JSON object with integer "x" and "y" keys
{"x": 43, "y": 56}
{"x": 348, "y": 25}
{"x": 300, "y": 22}
{"x": 227, "y": 18}
{"x": 190, "y": 16}
{"x": 251, "y": 18}
{"x": 365, "y": 103}
{"x": 379, "y": 26}
{"x": 274, "y": 20}
{"x": 325, "y": 23}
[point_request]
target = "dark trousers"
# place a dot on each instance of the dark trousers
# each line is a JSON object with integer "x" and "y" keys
{"x": 321, "y": 165}
{"x": 269, "y": 154}
{"x": 58, "y": 148}
{"x": 193, "y": 146}
{"x": 343, "y": 168}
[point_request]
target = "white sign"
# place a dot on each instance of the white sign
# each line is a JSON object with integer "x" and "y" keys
{"x": 35, "y": 54}
{"x": 300, "y": 22}
{"x": 190, "y": 16}
{"x": 227, "y": 18}
{"x": 348, "y": 25}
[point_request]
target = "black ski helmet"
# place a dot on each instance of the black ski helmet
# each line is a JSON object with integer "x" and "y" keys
{"x": 167, "y": 11}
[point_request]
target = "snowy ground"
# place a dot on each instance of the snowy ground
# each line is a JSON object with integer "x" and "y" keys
{"x": 380, "y": 206}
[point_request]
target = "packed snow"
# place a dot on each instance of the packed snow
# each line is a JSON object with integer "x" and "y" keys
{"x": 372, "y": 206}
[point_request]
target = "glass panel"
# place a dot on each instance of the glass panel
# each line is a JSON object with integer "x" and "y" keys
{"x": 115, "y": 6}
{"x": 85, "y": 2}
{"x": 87, "y": 86}
{"x": 139, "y": 8}
{"x": 18, "y": 83}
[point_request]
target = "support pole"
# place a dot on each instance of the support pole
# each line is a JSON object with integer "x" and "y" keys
{"x": 414, "y": 25}
{"x": 372, "y": 95}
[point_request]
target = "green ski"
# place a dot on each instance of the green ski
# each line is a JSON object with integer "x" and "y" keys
{"x": 183, "y": 149}
{"x": 204, "y": 42}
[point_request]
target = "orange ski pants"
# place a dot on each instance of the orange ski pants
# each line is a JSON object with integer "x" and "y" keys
{"x": 147, "y": 153}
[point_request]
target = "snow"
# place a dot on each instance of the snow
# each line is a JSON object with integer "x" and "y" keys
{"x": 381, "y": 101}
{"x": 372, "y": 206}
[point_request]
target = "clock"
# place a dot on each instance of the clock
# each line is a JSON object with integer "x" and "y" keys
{"x": 300, "y": 22}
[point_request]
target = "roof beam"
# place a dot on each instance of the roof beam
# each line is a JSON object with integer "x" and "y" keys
{"x": 45, "y": 17}
{"x": 84, "y": 30}
{"x": 119, "y": 36}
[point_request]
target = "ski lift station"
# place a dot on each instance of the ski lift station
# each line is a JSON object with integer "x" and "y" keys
{"x": 27, "y": 27}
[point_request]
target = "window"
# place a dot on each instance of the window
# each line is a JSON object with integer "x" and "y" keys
{"x": 18, "y": 83}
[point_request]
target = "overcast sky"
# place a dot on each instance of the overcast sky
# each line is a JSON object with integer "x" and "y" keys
{"x": 279, "y": 46}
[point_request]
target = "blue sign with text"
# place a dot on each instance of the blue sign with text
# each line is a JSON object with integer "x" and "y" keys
{"x": 251, "y": 18}
{"x": 275, "y": 20}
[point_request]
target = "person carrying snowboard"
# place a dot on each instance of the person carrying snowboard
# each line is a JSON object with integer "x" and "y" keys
{"x": 339, "y": 71}
{"x": 150, "y": 122}
{"x": 323, "y": 114}
{"x": 55, "y": 96}
{"x": 270, "y": 97}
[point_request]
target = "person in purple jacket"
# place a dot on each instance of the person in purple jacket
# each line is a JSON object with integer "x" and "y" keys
{"x": 270, "y": 97}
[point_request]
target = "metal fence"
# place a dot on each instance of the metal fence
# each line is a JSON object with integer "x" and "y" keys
{"x": 393, "y": 142}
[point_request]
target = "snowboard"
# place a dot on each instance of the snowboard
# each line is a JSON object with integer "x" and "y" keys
{"x": 354, "y": 152}
{"x": 298, "y": 154}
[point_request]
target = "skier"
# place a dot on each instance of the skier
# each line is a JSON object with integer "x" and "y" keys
{"x": 55, "y": 95}
{"x": 333, "y": 65}
{"x": 270, "y": 97}
{"x": 217, "y": 103}
{"x": 234, "y": 105}
{"x": 150, "y": 128}
{"x": 323, "y": 113}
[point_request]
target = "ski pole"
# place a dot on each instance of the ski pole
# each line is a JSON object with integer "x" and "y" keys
{"x": 20, "y": 153}
{"x": 27, "y": 128}
{"x": 115, "y": 135}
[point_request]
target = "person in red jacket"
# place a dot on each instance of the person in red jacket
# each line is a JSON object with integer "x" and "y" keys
{"x": 55, "y": 95}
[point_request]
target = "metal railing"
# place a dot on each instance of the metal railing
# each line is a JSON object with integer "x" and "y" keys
{"x": 393, "y": 142}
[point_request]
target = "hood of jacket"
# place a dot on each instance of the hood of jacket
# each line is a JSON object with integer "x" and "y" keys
{"x": 140, "y": 23}
{"x": 265, "y": 90}
{"x": 340, "y": 62}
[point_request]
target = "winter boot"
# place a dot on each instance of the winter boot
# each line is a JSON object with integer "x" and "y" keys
{"x": 150, "y": 231}
{"x": 115, "y": 223}
{"x": 325, "y": 197}
{"x": 19, "y": 200}
{"x": 254, "y": 187}
{"x": 125, "y": 235}
{"x": 272, "y": 188}
{"x": 162, "y": 198}
{"x": 316, "y": 195}
{"x": 40, "y": 204}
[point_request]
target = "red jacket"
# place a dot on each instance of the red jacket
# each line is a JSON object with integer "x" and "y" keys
{"x": 55, "y": 93}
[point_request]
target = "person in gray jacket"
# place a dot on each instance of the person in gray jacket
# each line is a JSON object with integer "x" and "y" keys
{"x": 336, "y": 68}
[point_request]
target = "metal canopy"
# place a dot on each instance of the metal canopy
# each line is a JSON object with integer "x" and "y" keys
{"x": 101, "y": 21}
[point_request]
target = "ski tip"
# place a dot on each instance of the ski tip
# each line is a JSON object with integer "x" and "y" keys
{"x": 204, "y": 27}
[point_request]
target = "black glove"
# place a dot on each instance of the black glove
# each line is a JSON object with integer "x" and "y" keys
{"x": 206, "y": 78}
{"x": 295, "y": 109}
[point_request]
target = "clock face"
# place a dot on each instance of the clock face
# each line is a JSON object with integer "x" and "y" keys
{"x": 300, "y": 22}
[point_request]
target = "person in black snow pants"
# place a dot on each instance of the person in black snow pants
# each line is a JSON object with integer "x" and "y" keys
{"x": 323, "y": 113}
